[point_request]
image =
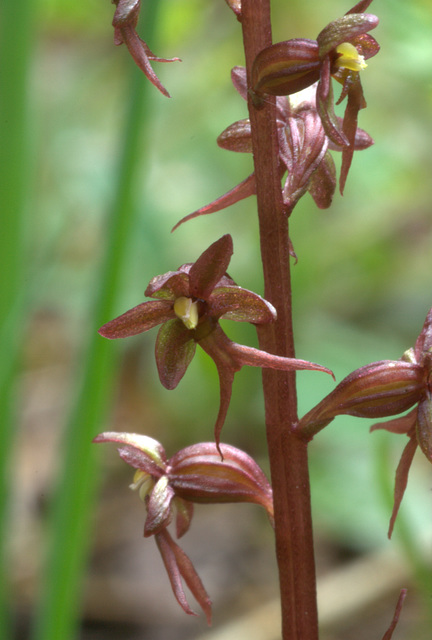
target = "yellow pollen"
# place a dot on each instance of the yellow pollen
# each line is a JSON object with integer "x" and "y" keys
{"x": 143, "y": 483}
{"x": 187, "y": 311}
{"x": 349, "y": 57}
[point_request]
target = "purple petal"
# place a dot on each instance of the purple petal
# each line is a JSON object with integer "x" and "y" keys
{"x": 424, "y": 341}
{"x": 159, "y": 512}
{"x": 175, "y": 348}
{"x": 241, "y": 305}
{"x": 424, "y": 426}
{"x": 238, "y": 77}
{"x": 184, "y": 513}
{"x": 398, "y": 425}
{"x": 237, "y": 137}
{"x": 344, "y": 29}
{"x": 360, "y": 7}
{"x": 210, "y": 267}
{"x": 402, "y": 479}
{"x": 137, "y": 320}
{"x": 178, "y": 566}
{"x": 243, "y": 190}
{"x": 322, "y": 183}
{"x": 325, "y": 107}
{"x": 169, "y": 286}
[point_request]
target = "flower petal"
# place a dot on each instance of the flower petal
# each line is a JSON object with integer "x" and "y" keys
{"x": 325, "y": 107}
{"x": 344, "y": 29}
{"x": 184, "y": 512}
{"x": 144, "y": 452}
{"x": 169, "y": 286}
{"x": 141, "y": 318}
{"x": 175, "y": 348}
{"x": 178, "y": 566}
{"x": 424, "y": 426}
{"x": 206, "y": 272}
{"x": 241, "y": 305}
{"x": 389, "y": 633}
{"x": 286, "y": 67}
{"x": 159, "y": 512}
{"x": 243, "y": 190}
{"x": 402, "y": 479}
{"x": 199, "y": 475}
{"x": 237, "y": 137}
{"x": 322, "y": 182}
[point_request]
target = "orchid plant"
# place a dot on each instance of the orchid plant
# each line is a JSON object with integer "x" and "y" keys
{"x": 290, "y": 130}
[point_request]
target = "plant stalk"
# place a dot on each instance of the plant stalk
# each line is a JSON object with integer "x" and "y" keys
{"x": 287, "y": 453}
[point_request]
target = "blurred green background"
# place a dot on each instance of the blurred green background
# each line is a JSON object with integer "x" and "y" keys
{"x": 97, "y": 167}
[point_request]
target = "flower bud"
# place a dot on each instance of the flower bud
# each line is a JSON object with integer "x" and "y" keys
{"x": 376, "y": 390}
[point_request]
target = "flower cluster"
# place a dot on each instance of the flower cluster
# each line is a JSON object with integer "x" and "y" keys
{"x": 189, "y": 304}
{"x": 169, "y": 488}
{"x": 125, "y": 21}
{"x": 339, "y": 52}
{"x": 304, "y": 151}
{"x": 384, "y": 389}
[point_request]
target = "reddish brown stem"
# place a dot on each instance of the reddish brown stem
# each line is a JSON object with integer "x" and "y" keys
{"x": 288, "y": 454}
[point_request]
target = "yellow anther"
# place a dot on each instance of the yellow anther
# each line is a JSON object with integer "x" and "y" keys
{"x": 349, "y": 57}
{"x": 187, "y": 311}
{"x": 143, "y": 482}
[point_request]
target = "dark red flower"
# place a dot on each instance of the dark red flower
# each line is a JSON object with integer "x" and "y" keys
{"x": 169, "y": 488}
{"x": 125, "y": 21}
{"x": 303, "y": 151}
{"x": 339, "y": 52}
{"x": 189, "y": 304}
{"x": 384, "y": 389}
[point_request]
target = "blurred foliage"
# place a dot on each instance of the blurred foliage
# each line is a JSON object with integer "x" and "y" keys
{"x": 363, "y": 283}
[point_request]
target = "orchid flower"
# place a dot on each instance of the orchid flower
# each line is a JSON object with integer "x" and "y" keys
{"x": 169, "y": 488}
{"x": 189, "y": 304}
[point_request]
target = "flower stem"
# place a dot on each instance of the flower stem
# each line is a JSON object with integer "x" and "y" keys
{"x": 287, "y": 453}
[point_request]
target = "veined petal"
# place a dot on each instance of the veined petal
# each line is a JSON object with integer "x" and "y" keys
{"x": 199, "y": 475}
{"x": 175, "y": 348}
{"x": 141, "y": 318}
{"x": 159, "y": 511}
{"x": 184, "y": 512}
{"x": 344, "y": 29}
{"x": 206, "y": 272}
{"x": 143, "y": 452}
{"x": 168, "y": 286}
{"x": 178, "y": 566}
{"x": 243, "y": 190}
{"x": 241, "y": 305}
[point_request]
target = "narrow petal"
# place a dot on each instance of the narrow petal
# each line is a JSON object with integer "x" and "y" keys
{"x": 178, "y": 566}
{"x": 325, "y": 107}
{"x": 402, "y": 479}
{"x": 139, "y": 54}
{"x": 175, "y": 348}
{"x": 355, "y": 103}
{"x": 257, "y": 358}
{"x": 184, "y": 512}
{"x": 402, "y": 425}
{"x": 206, "y": 272}
{"x": 241, "y": 305}
{"x": 144, "y": 452}
{"x": 239, "y": 80}
{"x": 389, "y": 633}
{"x": 141, "y": 318}
{"x": 240, "y": 192}
{"x": 159, "y": 512}
{"x": 322, "y": 182}
{"x": 360, "y": 7}
{"x": 169, "y": 286}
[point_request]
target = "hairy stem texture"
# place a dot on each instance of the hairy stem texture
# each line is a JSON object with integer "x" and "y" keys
{"x": 288, "y": 454}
